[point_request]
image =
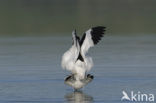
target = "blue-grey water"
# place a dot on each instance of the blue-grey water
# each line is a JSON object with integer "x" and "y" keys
{"x": 30, "y": 69}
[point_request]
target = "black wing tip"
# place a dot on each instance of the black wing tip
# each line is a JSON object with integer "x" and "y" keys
{"x": 97, "y": 33}
{"x": 99, "y": 27}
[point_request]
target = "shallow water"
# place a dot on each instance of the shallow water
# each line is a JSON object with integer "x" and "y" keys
{"x": 30, "y": 69}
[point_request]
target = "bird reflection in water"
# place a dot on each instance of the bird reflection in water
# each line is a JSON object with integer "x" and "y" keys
{"x": 78, "y": 97}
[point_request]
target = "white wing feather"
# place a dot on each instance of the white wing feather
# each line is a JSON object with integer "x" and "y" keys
{"x": 87, "y": 43}
{"x": 70, "y": 56}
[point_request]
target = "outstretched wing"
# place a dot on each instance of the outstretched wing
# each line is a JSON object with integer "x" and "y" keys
{"x": 91, "y": 38}
{"x": 70, "y": 56}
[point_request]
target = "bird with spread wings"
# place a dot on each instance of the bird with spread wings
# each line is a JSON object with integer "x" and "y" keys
{"x": 75, "y": 59}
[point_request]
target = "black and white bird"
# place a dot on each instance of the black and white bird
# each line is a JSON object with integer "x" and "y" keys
{"x": 75, "y": 59}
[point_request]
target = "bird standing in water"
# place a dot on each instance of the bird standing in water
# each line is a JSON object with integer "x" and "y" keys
{"x": 75, "y": 59}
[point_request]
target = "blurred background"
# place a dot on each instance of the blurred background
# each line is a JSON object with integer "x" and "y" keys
{"x": 34, "y": 34}
{"x": 60, "y": 17}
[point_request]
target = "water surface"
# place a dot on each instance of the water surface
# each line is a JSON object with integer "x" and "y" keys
{"x": 30, "y": 69}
